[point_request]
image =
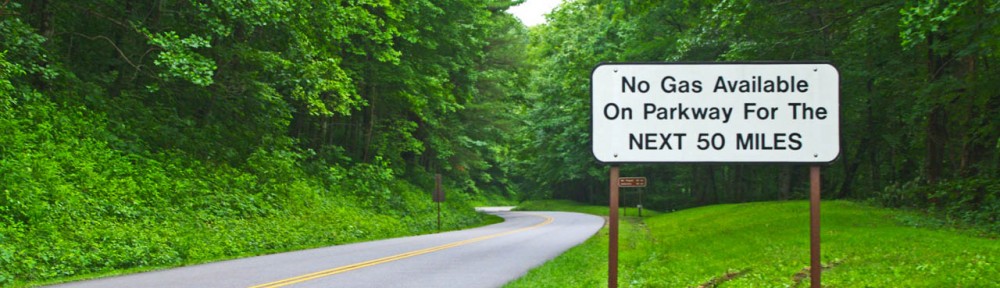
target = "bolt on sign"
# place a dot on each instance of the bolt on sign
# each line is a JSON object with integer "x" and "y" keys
{"x": 715, "y": 112}
{"x": 632, "y": 182}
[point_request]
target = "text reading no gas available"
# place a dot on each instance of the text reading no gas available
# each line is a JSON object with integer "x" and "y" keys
{"x": 716, "y": 112}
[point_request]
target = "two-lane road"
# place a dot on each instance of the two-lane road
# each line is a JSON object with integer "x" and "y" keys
{"x": 481, "y": 257}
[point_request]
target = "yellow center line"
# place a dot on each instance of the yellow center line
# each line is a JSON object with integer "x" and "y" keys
{"x": 355, "y": 266}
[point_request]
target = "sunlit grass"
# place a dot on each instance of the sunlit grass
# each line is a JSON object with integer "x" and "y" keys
{"x": 767, "y": 245}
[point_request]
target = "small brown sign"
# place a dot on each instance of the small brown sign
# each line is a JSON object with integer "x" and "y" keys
{"x": 632, "y": 182}
{"x": 438, "y": 191}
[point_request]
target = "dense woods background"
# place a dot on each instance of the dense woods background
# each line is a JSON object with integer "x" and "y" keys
{"x": 135, "y": 132}
{"x": 919, "y": 98}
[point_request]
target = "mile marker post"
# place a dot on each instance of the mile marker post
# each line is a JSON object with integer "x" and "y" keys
{"x": 613, "y": 231}
{"x": 815, "y": 267}
{"x": 438, "y": 197}
{"x": 640, "y": 202}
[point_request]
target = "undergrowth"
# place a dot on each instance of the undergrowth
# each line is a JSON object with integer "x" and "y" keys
{"x": 966, "y": 203}
{"x": 71, "y": 204}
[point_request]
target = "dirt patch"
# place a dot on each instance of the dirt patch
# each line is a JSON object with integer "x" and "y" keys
{"x": 803, "y": 274}
{"x": 725, "y": 277}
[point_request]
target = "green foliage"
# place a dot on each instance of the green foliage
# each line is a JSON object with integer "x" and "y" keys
{"x": 22, "y": 48}
{"x": 974, "y": 202}
{"x": 73, "y": 206}
{"x": 179, "y": 59}
{"x": 7, "y": 71}
{"x": 766, "y": 245}
{"x": 150, "y": 134}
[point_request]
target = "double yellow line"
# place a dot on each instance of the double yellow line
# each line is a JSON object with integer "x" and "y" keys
{"x": 345, "y": 268}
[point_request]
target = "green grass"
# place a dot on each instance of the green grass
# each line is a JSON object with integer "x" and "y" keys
{"x": 767, "y": 245}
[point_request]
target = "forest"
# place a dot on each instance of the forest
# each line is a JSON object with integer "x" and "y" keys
{"x": 133, "y": 132}
{"x": 918, "y": 98}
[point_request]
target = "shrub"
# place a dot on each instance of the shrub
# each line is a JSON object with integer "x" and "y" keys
{"x": 973, "y": 201}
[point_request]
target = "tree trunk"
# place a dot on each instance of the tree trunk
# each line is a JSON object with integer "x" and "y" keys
{"x": 739, "y": 186}
{"x": 972, "y": 143}
{"x": 853, "y": 162}
{"x": 41, "y": 18}
{"x": 785, "y": 182}
{"x": 698, "y": 186}
{"x": 710, "y": 184}
{"x": 935, "y": 130}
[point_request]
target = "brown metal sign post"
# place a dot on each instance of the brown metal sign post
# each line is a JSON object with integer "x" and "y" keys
{"x": 640, "y": 202}
{"x": 815, "y": 267}
{"x": 438, "y": 196}
{"x": 613, "y": 231}
{"x": 632, "y": 182}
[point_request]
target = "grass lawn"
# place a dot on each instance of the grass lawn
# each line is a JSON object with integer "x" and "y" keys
{"x": 767, "y": 245}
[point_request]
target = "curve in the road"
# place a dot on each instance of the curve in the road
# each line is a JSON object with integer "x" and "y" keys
{"x": 482, "y": 257}
{"x": 345, "y": 268}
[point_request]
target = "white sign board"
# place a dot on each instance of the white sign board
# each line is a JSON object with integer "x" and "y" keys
{"x": 715, "y": 112}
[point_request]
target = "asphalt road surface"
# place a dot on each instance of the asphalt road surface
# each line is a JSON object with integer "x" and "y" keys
{"x": 481, "y": 257}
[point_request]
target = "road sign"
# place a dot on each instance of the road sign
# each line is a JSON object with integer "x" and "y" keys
{"x": 715, "y": 112}
{"x": 632, "y": 182}
{"x": 438, "y": 197}
{"x": 438, "y": 191}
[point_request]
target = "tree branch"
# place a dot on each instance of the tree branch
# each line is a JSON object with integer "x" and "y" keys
{"x": 119, "y": 50}
{"x": 3, "y": 7}
{"x": 847, "y": 16}
{"x": 112, "y": 20}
